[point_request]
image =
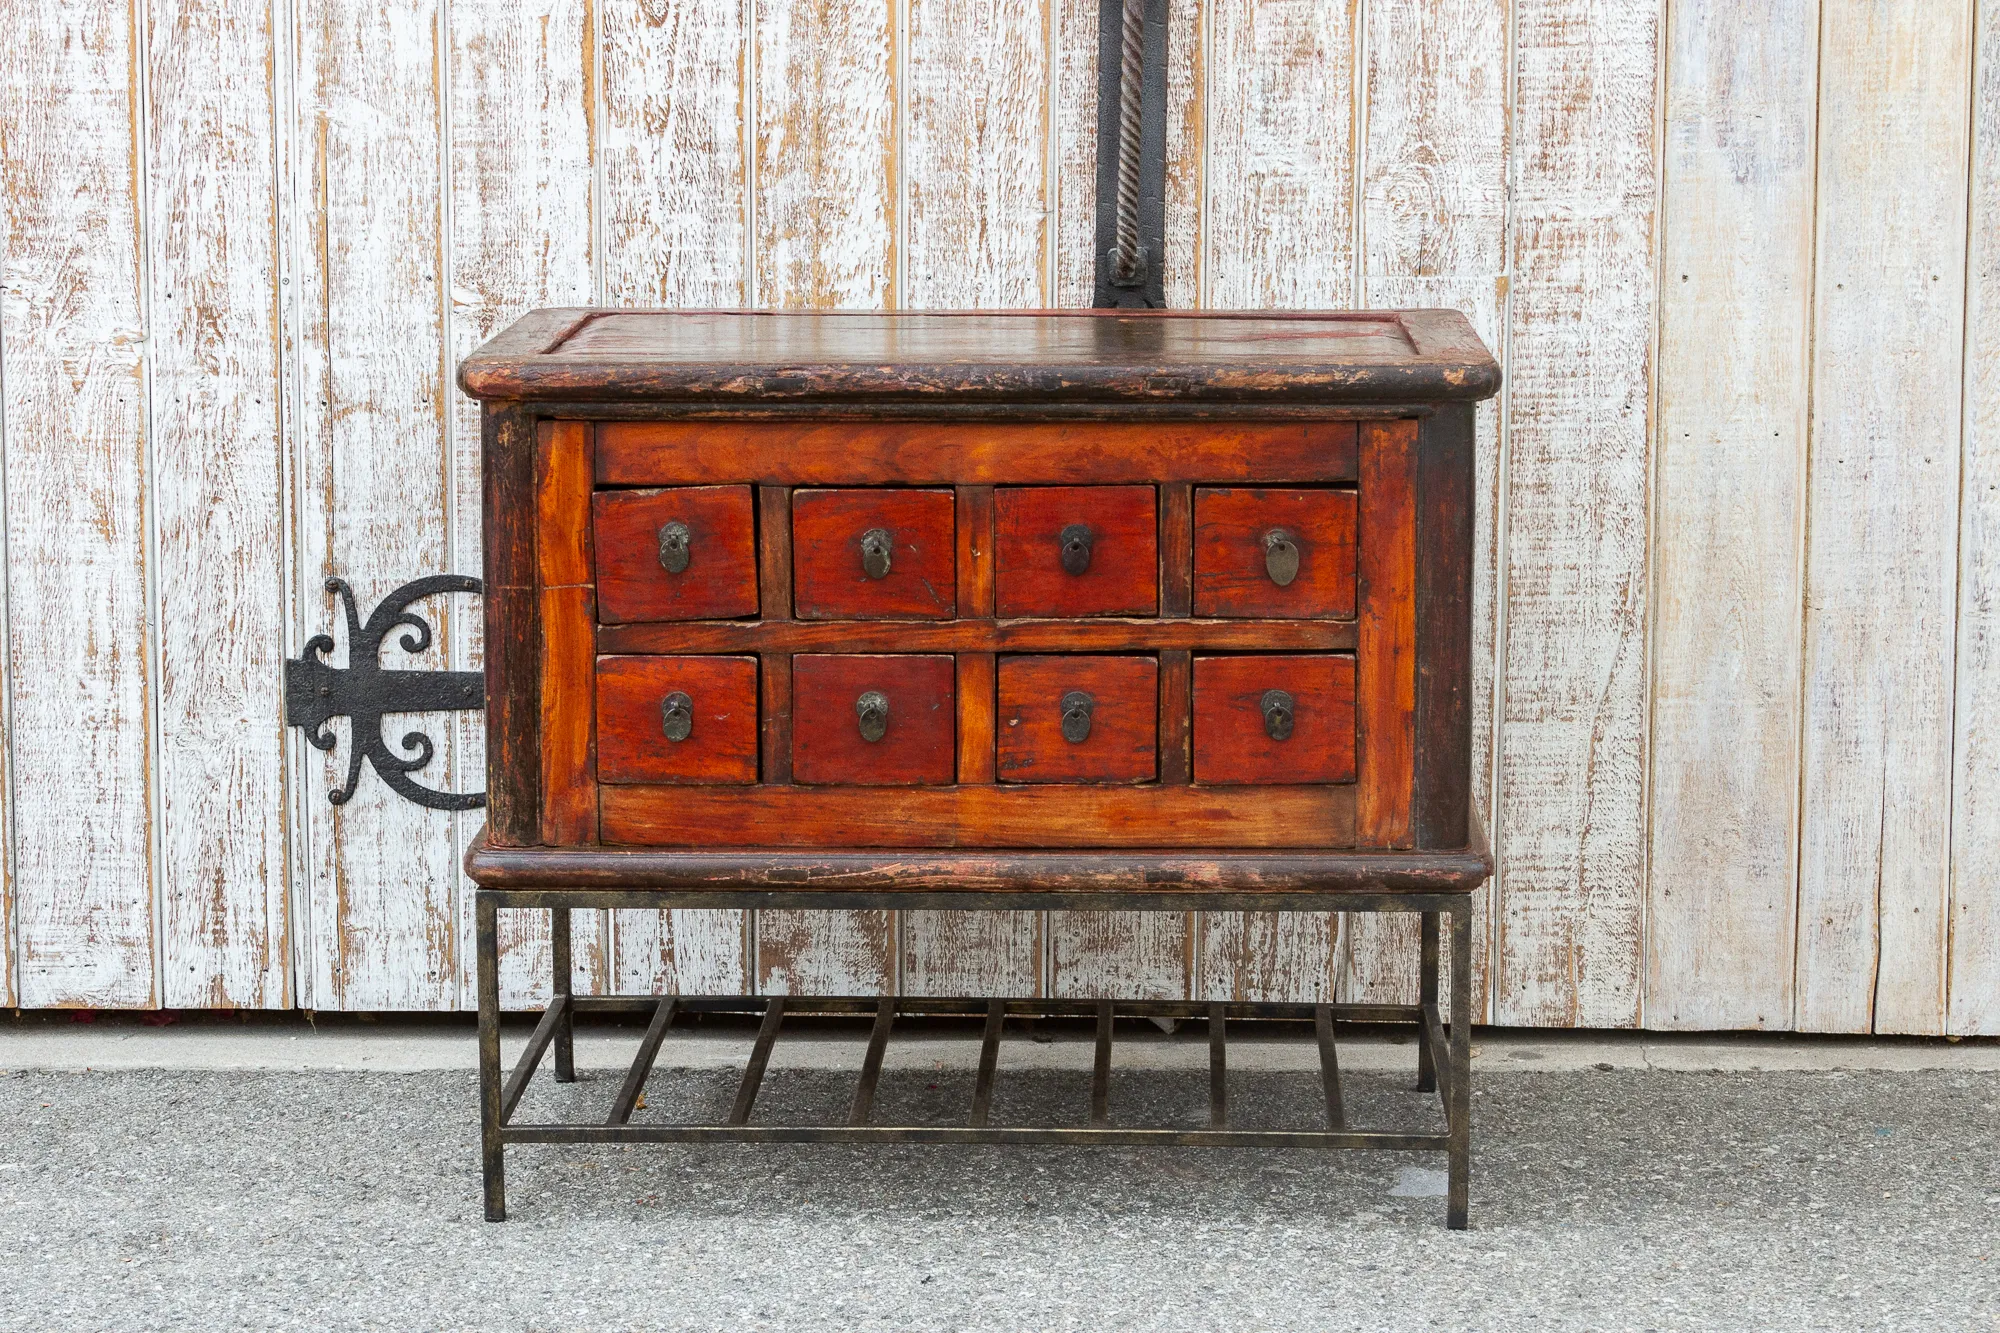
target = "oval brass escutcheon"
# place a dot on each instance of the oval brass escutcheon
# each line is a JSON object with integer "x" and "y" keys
{"x": 1281, "y": 557}
{"x": 677, "y": 716}
{"x": 1278, "y": 714}
{"x": 871, "y": 711}
{"x": 675, "y": 544}
{"x": 876, "y": 546}
{"x": 1076, "y": 540}
{"x": 1076, "y": 709}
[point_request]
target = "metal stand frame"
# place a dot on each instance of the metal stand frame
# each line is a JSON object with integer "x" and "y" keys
{"x": 1444, "y": 1054}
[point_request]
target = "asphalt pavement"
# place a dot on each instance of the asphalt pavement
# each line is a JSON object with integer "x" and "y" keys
{"x": 1626, "y": 1196}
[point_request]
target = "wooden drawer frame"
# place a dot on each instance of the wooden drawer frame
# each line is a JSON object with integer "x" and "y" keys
{"x": 1412, "y": 469}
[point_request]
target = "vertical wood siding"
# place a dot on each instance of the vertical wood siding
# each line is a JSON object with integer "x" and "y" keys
{"x": 1736, "y": 625}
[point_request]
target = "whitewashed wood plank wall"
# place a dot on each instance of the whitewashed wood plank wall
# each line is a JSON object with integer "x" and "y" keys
{"x": 1738, "y": 663}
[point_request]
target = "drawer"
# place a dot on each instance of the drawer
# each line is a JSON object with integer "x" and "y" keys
{"x": 874, "y": 554}
{"x": 682, "y": 553}
{"x": 1076, "y": 551}
{"x": 677, "y": 719}
{"x": 1240, "y": 736}
{"x": 874, "y": 720}
{"x": 1079, "y": 719}
{"x": 1283, "y": 553}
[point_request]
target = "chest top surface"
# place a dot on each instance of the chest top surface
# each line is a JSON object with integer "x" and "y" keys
{"x": 1318, "y": 357}
{"x": 1124, "y": 584}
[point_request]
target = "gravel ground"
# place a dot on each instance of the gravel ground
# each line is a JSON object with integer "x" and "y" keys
{"x": 1608, "y": 1198}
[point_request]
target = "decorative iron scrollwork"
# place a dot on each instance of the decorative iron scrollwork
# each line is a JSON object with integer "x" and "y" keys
{"x": 316, "y": 692}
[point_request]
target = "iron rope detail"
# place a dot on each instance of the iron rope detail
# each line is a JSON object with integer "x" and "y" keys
{"x": 316, "y": 692}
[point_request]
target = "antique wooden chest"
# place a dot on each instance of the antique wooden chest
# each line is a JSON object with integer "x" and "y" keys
{"x": 979, "y": 581}
{"x": 1040, "y": 610}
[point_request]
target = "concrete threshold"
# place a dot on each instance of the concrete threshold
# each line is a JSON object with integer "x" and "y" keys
{"x": 413, "y": 1045}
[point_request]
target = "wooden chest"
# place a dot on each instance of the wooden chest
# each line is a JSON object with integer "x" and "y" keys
{"x": 1114, "y": 582}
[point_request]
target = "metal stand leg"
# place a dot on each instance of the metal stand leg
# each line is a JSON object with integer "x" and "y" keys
{"x": 492, "y": 1168}
{"x": 566, "y": 1028}
{"x": 1458, "y": 1109}
{"x": 1427, "y": 993}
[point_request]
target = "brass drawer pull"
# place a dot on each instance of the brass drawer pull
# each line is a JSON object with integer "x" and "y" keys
{"x": 876, "y": 545}
{"x": 675, "y": 540}
{"x": 677, "y": 716}
{"x": 1076, "y": 708}
{"x": 1076, "y": 540}
{"x": 1278, "y": 714}
{"x": 1281, "y": 557}
{"x": 872, "y": 712}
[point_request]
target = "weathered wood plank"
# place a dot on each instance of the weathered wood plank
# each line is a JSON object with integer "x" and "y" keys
{"x": 1729, "y": 512}
{"x": 72, "y": 332}
{"x": 1074, "y": 153}
{"x": 519, "y": 179}
{"x": 1271, "y": 955}
{"x": 972, "y": 953}
{"x": 826, "y": 953}
{"x": 217, "y": 497}
{"x": 1434, "y": 234}
{"x": 1974, "y": 1002}
{"x": 1279, "y": 230}
{"x": 1570, "y": 827}
{"x": 1882, "y": 490}
{"x": 973, "y": 160}
{"x": 826, "y": 150}
{"x": 373, "y": 473}
{"x": 673, "y": 145}
{"x": 1122, "y": 955}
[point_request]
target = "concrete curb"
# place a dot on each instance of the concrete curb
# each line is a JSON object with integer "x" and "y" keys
{"x": 414, "y": 1047}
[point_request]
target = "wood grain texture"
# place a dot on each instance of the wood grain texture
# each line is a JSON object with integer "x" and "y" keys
{"x": 1433, "y": 222}
{"x": 1974, "y": 1002}
{"x": 1176, "y": 717}
{"x": 1121, "y": 955}
{"x": 1570, "y": 826}
{"x": 826, "y": 154}
{"x": 1385, "y": 713}
{"x": 1122, "y": 744}
{"x": 826, "y": 953}
{"x": 720, "y": 577}
{"x": 1122, "y": 574}
{"x": 1231, "y": 743}
{"x": 972, "y": 953}
{"x": 973, "y": 154}
{"x": 567, "y": 731}
{"x": 517, "y": 163}
{"x": 1889, "y": 351}
{"x": 829, "y": 578}
{"x": 217, "y": 493}
{"x": 1729, "y": 513}
{"x": 1105, "y": 634}
{"x": 1176, "y": 549}
{"x": 1270, "y": 955}
{"x": 977, "y": 705}
{"x": 72, "y": 325}
{"x": 631, "y": 742}
{"x": 1000, "y": 815}
{"x": 974, "y": 518}
{"x": 835, "y": 453}
{"x": 1231, "y": 574}
{"x": 673, "y": 139}
{"x": 920, "y": 744}
{"x": 1279, "y": 229}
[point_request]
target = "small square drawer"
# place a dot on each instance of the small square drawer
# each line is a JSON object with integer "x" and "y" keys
{"x": 1274, "y": 553}
{"x": 874, "y": 554}
{"x": 1079, "y": 719}
{"x": 1274, "y": 720}
{"x": 677, "y": 719}
{"x": 874, "y": 720}
{"x": 1076, "y": 551}
{"x": 683, "y": 553}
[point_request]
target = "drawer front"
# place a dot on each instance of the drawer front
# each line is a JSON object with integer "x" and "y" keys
{"x": 1076, "y": 551}
{"x": 874, "y": 720}
{"x": 1241, "y": 735}
{"x": 682, "y": 553}
{"x": 874, "y": 554}
{"x": 1079, "y": 719}
{"x": 677, "y": 719}
{"x": 1276, "y": 553}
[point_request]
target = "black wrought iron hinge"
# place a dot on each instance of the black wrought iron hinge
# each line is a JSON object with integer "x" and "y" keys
{"x": 316, "y": 691}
